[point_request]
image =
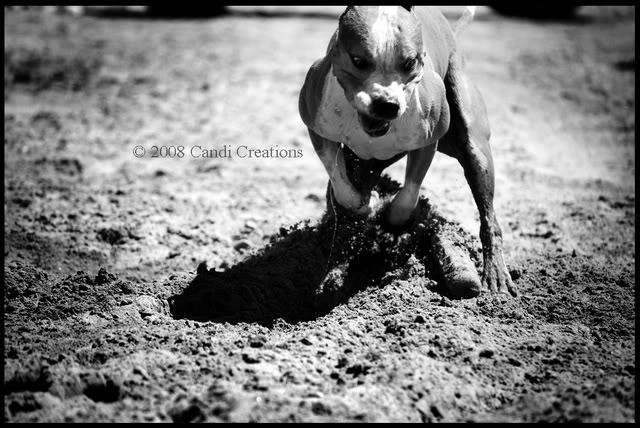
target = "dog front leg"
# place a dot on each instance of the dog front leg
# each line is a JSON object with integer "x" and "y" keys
{"x": 332, "y": 157}
{"x": 405, "y": 201}
{"x": 478, "y": 168}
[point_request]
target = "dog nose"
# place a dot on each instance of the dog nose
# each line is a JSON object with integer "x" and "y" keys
{"x": 385, "y": 109}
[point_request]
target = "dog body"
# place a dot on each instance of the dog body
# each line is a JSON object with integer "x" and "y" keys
{"x": 390, "y": 85}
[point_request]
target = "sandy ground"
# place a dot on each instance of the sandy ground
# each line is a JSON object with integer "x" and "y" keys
{"x": 216, "y": 289}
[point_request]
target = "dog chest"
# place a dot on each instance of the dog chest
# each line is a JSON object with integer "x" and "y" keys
{"x": 337, "y": 120}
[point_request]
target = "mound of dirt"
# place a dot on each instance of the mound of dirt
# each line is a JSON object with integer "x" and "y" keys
{"x": 31, "y": 291}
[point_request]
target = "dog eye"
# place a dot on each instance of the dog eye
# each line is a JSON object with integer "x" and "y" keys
{"x": 358, "y": 62}
{"x": 408, "y": 66}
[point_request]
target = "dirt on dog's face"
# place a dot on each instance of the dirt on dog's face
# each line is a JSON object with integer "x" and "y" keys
{"x": 378, "y": 60}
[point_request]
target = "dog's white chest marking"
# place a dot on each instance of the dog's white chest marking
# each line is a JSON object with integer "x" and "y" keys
{"x": 337, "y": 120}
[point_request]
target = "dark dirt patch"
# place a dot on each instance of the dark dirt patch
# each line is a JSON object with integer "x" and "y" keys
{"x": 30, "y": 291}
{"x": 44, "y": 69}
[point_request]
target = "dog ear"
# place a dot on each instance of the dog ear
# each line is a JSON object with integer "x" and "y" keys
{"x": 345, "y": 12}
{"x": 409, "y": 8}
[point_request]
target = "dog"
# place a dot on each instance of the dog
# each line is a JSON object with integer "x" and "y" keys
{"x": 392, "y": 84}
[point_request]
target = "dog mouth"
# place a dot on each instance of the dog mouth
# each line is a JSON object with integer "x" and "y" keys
{"x": 372, "y": 126}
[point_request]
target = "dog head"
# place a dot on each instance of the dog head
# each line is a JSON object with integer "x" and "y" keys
{"x": 378, "y": 59}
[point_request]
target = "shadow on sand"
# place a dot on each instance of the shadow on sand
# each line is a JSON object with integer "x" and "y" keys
{"x": 306, "y": 271}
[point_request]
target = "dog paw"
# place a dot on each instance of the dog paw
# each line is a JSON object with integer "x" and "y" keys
{"x": 396, "y": 228}
{"x": 401, "y": 208}
{"x": 362, "y": 208}
{"x": 498, "y": 280}
{"x": 369, "y": 207}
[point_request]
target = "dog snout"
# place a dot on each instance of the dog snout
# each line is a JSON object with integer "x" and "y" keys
{"x": 385, "y": 109}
